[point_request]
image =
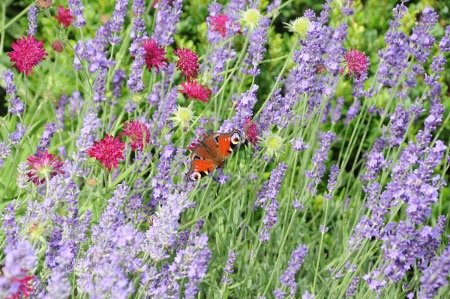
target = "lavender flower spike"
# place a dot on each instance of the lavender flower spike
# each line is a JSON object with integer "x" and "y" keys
{"x": 288, "y": 277}
{"x": 76, "y": 10}
{"x": 17, "y": 106}
{"x": 267, "y": 199}
{"x": 32, "y": 20}
{"x": 435, "y": 276}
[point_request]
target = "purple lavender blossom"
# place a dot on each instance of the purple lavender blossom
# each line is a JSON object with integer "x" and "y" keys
{"x": 318, "y": 170}
{"x": 5, "y": 151}
{"x": 256, "y": 48}
{"x": 117, "y": 82}
{"x": 18, "y": 261}
{"x": 229, "y": 267}
{"x": 49, "y": 131}
{"x": 435, "y": 276}
{"x": 266, "y": 198}
{"x": 32, "y": 20}
{"x": 166, "y": 21}
{"x": 99, "y": 86}
{"x": 196, "y": 264}
{"x": 244, "y": 110}
{"x": 165, "y": 108}
{"x": 323, "y": 230}
{"x": 59, "y": 110}
{"x": 113, "y": 253}
{"x": 75, "y": 104}
{"x": 336, "y": 112}
{"x": 288, "y": 277}
{"x": 421, "y": 40}
{"x": 332, "y": 181}
{"x": 299, "y": 145}
{"x": 162, "y": 181}
{"x": 352, "y": 112}
{"x": 17, "y": 106}
{"x": 279, "y": 294}
{"x": 9, "y": 223}
{"x": 307, "y": 295}
{"x": 138, "y": 35}
{"x": 234, "y": 8}
{"x": 17, "y": 136}
{"x": 394, "y": 58}
{"x": 273, "y": 6}
{"x": 162, "y": 234}
{"x": 117, "y": 20}
{"x": 352, "y": 287}
{"x": 399, "y": 125}
{"x": 444, "y": 44}
{"x": 76, "y": 10}
{"x": 91, "y": 123}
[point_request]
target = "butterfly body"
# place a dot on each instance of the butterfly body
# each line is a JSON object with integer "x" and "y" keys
{"x": 211, "y": 153}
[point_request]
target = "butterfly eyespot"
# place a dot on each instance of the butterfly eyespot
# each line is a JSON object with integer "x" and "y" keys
{"x": 195, "y": 176}
{"x": 235, "y": 138}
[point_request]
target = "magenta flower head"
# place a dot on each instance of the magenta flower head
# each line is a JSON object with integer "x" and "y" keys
{"x": 64, "y": 16}
{"x": 187, "y": 63}
{"x": 108, "y": 151}
{"x": 27, "y": 53}
{"x": 357, "y": 63}
{"x": 154, "y": 55}
{"x": 251, "y": 131}
{"x": 193, "y": 90}
{"x": 138, "y": 133}
{"x": 44, "y": 166}
{"x": 219, "y": 24}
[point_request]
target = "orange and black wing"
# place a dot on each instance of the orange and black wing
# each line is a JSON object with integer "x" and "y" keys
{"x": 199, "y": 168}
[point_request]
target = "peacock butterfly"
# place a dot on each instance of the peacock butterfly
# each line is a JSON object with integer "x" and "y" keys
{"x": 211, "y": 153}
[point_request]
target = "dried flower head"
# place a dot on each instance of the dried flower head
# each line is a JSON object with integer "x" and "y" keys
{"x": 299, "y": 26}
{"x": 27, "y": 53}
{"x": 357, "y": 63}
{"x": 44, "y": 166}
{"x": 193, "y": 90}
{"x": 273, "y": 144}
{"x": 44, "y": 4}
{"x": 251, "y": 18}
{"x": 64, "y": 16}
{"x": 57, "y": 46}
{"x": 182, "y": 116}
{"x": 138, "y": 133}
{"x": 187, "y": 63}
{"x": 219, "y": 23}
{"x": 154, "y": 55}
{"x": 108, "y": 151}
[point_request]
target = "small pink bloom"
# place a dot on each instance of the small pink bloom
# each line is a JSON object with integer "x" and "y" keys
{"x": 44, "y": 166}
{"x": 27, "y": 53}
{"x": 138, "y": 133}
{"x": 251, "y": 131}
{"x": 187, "y": 63}
{"x": 64, "y": 16}
{"x": 193, "y": 90}
{"x": 24, "y": 288}
{"x": 154, "y": 55}
{"x": 108, "y": 151}
{"x": 219, "y": 23}
{"x": 357, "y": 63}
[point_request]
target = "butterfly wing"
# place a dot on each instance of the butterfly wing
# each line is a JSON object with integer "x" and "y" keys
{"x": 204, "y": 158}
{"x": 200, "y": 168}
{"x": 211, "y": 152}
{"x": 228, "y": 142}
